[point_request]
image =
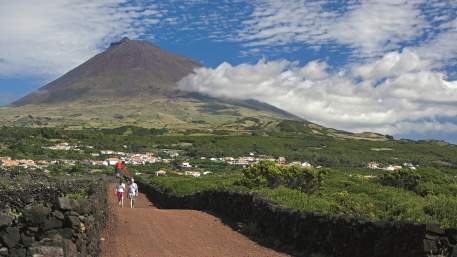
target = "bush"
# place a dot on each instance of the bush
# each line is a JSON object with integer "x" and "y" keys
{"x": 407, "y": 179}
{"x": 345, "y": 203}
{"x": 267, "y": 173}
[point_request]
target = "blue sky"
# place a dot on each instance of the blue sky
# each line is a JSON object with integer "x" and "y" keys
{"x": 388, "y": 66}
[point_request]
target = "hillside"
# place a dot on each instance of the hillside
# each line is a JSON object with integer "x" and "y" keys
{"x": 133, "y": 83}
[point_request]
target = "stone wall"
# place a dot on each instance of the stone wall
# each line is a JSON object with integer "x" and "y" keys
{"x": 50, "y": 225}
{"x": 315, "y": 233}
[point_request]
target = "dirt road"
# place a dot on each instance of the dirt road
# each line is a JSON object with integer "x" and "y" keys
{"x": 150, "y": 232}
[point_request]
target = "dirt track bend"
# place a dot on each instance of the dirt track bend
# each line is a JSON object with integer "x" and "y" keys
{"x": 147, "y": 231}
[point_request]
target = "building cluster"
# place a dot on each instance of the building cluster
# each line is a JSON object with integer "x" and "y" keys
{"x": 389, "y": 167}
{"x": 129, "y": 158}
{"x": 7, "y": 162}
{"x": 252, "y": 159}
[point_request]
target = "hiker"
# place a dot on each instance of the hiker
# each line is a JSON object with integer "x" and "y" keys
{"x": 133, "y": 193}
{"x": 120, "y": 188}
{"x": 120, "y": 170}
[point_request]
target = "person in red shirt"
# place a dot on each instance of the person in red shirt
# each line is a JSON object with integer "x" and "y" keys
{"x": 120, "y": 169}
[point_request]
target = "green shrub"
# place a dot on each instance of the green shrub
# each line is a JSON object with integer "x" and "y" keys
{"x": 404, "y": 178}
{"x": 346, "y": 203}
{"x": 267, "y": 173}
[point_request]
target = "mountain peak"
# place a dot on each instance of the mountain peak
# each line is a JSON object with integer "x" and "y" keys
{"x": 127, "y": 68}
{"x": 123, "y": 40}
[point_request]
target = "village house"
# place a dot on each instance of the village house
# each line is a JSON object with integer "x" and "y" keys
{"x": 192, "y": 173}
{"x": 112, "y": 161}
{"x": 281, "y": 160}
{"x": 97, "y": 163}
{"x": 10, "y": 163}
{"x": 295, "y": 163}
{"x": 392, "y": 167}
{"x": 409, "y": 165}
{"x": 106, "y": 152}
{"x": 229, "y": 159}
{"x": 306, "y": 165}
{"x": 160, "y": 173}
{"x": 240, "y": 161}
{"x": 185, "y": 165}
{"x": 373, "y": 165}
{"x": 61, "y": 147}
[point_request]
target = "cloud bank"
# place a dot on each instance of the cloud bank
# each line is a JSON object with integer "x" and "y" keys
{"x": 395, "y": 94}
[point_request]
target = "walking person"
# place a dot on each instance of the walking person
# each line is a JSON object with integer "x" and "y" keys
{"x": 120, "y": 188}
{"x": 133, "y": 193}
{"x": 120, "y": 170}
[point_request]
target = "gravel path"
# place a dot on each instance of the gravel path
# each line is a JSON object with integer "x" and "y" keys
{"x": 147, "y": 231}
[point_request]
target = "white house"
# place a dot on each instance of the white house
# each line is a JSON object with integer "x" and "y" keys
{"x": 193, "y": 173}
{"x": 306, "y": 165}
{"x": 112, "y": 161}
{"x": 185, "y": 165}
{"x": 161, "y": 173}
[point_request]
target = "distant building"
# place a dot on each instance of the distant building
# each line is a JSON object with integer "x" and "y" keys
{"x": 373, "y": 165}
{"x": 408, "y": 165}
{"x": 192, "y": 173}
{"x": 160, "y": 173}
{"x": 392, "y": 168}
{"x": 112, "y": 161}
{"x": 295, "y": 163}
{"x": 185, "y": 165}
{"x": 281, "y": 160}
{"x": 306, "y": 165}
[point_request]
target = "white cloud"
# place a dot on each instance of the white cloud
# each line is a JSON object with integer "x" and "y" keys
{"x": 370, "y": 28}
{"x": 50, "y": 37}
{"x": 442, "y": 48}
{"x": 397, "y": 93}
{"x": 375, "y": 27}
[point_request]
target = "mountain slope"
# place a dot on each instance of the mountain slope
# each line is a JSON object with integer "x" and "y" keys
{"x": 127, "y": 68}
{"x": 135, "y": 83}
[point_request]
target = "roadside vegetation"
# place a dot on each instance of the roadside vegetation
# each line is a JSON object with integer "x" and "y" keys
{"x": 426, "y": 195}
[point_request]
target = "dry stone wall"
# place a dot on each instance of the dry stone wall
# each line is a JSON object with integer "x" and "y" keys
{"x": 315, "y": 233}
{"x": 51, "y": 225}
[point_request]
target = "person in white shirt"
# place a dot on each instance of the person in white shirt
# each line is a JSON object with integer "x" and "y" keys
{"x": 120, "y": 188}
{"x": 133, "y": 192}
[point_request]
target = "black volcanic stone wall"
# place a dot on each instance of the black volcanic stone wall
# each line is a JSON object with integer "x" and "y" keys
{"x": 312, "y": 233}
{"x": 51, "y": 225}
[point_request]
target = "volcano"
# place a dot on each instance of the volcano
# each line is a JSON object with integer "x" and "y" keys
{"x": 135, "y": 82}
{"x": 128, "y": 68}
